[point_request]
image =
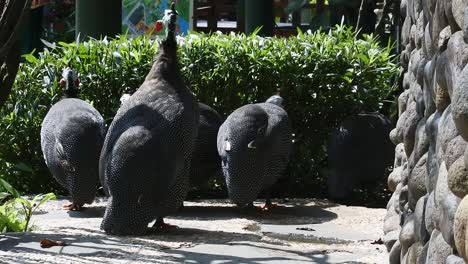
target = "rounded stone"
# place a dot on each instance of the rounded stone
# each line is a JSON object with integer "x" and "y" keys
{"x": 420, "y": 35}
{"x": 460, "y": 104}
{"x": 423, "y": 256}
{"x": 403, "y": 8}
{"x": 394, "y": 178}
{"x": 406, "y": 31}
{"x": 447, "y": 217}
{"x": 407, "y": 234}
{"x": 420, "y": 107}
{"x": 408, "y": 127}
{"x": 438, "y": 250}
{"x": 455, "y": 149}
{"x": 407, "y": 80}
{"x": 391, "y": 203}
{"x": 395, "y": 137}
{"x": 441, "y": 189}
{"x": 396, "y": 199}
{"x": 421, "y": 144}
{"x": 459, "y": 226}
{"x": 458, "y": 178}
{"x": 414, "y": 252}
{"x": 414, "y": 36}
{"x": 432, "y": 126}
{"x": 430, "y": 216}
{"x": 465, "y": 26}
{"x": 419, "y": 221}
{"x": 429, "y": 76}
{"x": 458, "y": 8}
{"x": 445, "y": 132}
{"x": 428, "y": 92}
{"x": 453, "y": 259}
{"x": 410, "y": 10}
{"x": 442, "y": 99}
{"x": 392, "y": 223}
{"x": 428, "y": 44}
{"x": 446, "y": 204}
{"x": 400, "y": 155}
{"x": 394, "y": 255}
{"x": 444, "y": 37}
{"x": 457, "y": 51}
{"x": 391, "y": 238}
{"x": 439, "y": 21}
{"x": 403, "y": 199}
{"x": 417, "y": 182}
{"x": 449, "y": 15}
{"x": 402, "y": 101}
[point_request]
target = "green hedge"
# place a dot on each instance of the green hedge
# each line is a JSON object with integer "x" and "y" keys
{"x": 323, "y": 77}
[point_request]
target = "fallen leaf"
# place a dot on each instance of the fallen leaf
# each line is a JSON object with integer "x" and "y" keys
{"x": 47, "y": 243}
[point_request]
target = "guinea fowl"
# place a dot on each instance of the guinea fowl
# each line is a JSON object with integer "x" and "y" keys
{"x": 72, "y": 135}
{"x": 146, "y": 155}
{"x": 206, "y": 161}
{"x": 254, "y": 144}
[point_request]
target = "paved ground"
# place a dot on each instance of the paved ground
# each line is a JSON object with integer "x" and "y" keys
{"x": 306, "y": 231}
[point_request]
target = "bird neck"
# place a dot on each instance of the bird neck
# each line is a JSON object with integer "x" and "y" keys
{"x": 70, "y": 89}
{"x": 167, "y": 65}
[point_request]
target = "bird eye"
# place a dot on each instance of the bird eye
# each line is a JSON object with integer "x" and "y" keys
{"x": 63, "y": 83}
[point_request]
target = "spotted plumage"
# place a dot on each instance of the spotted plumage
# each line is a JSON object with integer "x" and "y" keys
{"x": 72, "y": 135}
{"x": 146, "y": 155}
{"x": 206, "y": 162}
{"x": 254, "y": 144}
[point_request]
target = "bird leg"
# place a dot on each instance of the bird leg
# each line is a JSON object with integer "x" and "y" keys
{"x": 269, "y": 205}
{"x": 159, "y": 224}
{"x": 73, "y": 207}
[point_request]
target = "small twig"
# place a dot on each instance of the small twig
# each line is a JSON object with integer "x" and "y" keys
{"x": 359, "y": 15}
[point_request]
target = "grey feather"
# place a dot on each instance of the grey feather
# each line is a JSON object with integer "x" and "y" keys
{"x": 146, "y": 156}
{"x": 254, "y": 144}
{"x": 206, "y": 162}
{"x": 72, "y": 135}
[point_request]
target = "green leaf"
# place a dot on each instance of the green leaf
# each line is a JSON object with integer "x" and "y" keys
{"x": 22, "y": 166}
{"x": 22, "y": 201}
{"x": 30, "y": 58}
{"x": 48, "y": 44}
{"x": 7, "y": 187}
{"x": 3, "y": 195}
{"x": 39, "y": 200}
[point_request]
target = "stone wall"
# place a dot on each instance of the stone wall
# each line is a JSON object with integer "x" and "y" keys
{"x": 427, "y": 214}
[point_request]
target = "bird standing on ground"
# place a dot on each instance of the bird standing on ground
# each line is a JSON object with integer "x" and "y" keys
{"x": 72, "y": 135}
{"x": 147, "y": 151}
{"x": 254, "y": 144}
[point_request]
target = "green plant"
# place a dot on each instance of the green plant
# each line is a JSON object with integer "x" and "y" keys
{"x": 323, "y": 76}
{"x": 16, "y": 212}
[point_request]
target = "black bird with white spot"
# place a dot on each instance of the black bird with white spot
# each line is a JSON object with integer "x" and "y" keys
{"x": 146, "y": 156}
{"x": 254, "y": 144}
{"x": 72, "y": 135}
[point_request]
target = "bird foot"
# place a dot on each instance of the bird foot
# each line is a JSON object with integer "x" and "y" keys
{"x": 270, "y": 206}
{"x": 161, "y": 225}
{"x": 166, "y": 226}
{"x": 73, "y": 207}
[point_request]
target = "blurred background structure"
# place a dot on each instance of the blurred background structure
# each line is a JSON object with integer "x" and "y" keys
{"x": 63, "y": 20}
